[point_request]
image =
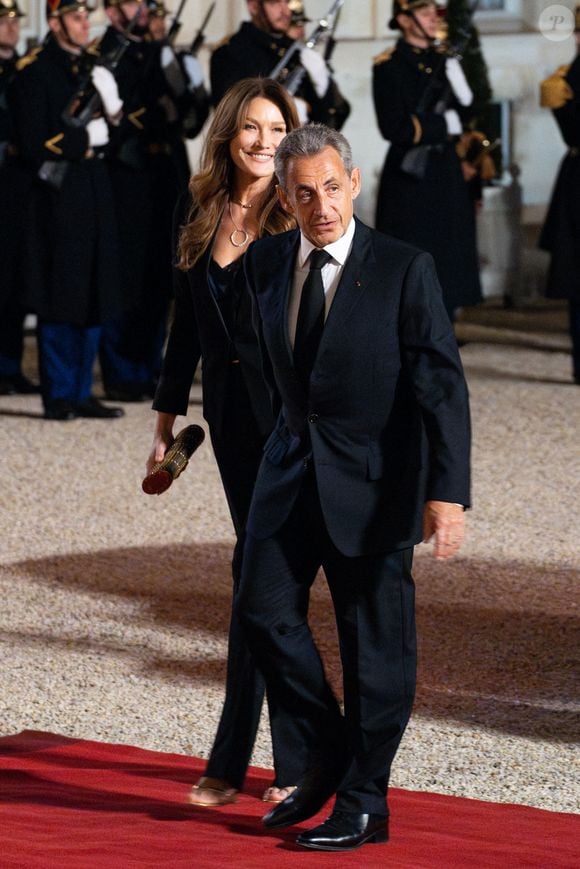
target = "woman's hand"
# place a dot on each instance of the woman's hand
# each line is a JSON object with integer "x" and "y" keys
{"x": 162, "y": 439}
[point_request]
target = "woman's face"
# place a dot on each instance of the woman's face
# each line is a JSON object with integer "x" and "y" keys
{"x": 252, "y": 149}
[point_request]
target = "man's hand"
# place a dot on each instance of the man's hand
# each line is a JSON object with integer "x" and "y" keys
{"x": 317, "y": 70}
{"x": 98, "y": 133}
{"x": 302, "y": 109}
{"x": 458, "y": 82}
{"x": 104, "y": 82}
{"x": 447, "y": 522}
{"x": 453, "y": 122}
{"x": 193, "y": 69}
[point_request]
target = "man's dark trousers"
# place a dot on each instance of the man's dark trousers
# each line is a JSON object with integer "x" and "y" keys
{"x": 373, "y": 598}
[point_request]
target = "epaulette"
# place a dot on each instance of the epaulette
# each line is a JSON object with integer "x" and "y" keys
{"x": 222, "y": 42}
{"x": 555, "y": 90}
{"x": 383, "y": 56}
{"x": 94, "y": 47}
{"x": 28, "y": 58}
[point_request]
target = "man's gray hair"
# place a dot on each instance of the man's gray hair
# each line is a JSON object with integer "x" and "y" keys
{"x": 307, "y": 142}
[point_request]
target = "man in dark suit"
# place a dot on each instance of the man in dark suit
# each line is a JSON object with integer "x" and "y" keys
{"x": 370, "y": 455}
{"x": 257, "y": 48}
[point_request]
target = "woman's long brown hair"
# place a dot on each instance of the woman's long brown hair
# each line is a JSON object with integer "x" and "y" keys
{"x": 212, "y": 185}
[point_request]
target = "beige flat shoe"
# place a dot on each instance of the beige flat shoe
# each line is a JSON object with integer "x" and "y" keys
{"x": 277, "y": 795}
{"x": 212, "y": 792}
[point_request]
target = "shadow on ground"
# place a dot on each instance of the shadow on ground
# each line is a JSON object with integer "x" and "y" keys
{"x": 495, "y": 651}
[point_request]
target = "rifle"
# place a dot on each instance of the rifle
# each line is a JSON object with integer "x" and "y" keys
{"x": 175, "y": 70}
{"x": 416, "y": 159}
{"x": 175, "y": 24}
{"x": 85, "y": 103}
{"x": 291, "y": 79}
{"x": 331, "y": 41}
{"x": 200, "y": 37}
{"x": 87, "y": 100}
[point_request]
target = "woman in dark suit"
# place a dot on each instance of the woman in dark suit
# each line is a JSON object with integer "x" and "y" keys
{"x": 232, "y": 201}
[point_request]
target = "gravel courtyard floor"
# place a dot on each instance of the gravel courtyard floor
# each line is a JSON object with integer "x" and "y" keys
{"x": 115, "y": 604}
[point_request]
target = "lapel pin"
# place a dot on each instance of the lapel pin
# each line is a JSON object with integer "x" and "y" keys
{"x": 357, "y": 283}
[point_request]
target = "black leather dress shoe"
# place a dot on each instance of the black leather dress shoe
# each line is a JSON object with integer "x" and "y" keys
{"x": 60, "y": 409}
{"x": 18, "y": 384}
{"x": 92, "y": 408}
{"x": 345, "y": 831}
{"x": 303, "y": 803}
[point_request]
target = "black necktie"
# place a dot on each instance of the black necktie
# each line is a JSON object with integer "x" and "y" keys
{"x": 310, "y": 322}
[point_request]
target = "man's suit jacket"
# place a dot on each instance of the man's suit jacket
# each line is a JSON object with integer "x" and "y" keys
{"x": 385, "y": 422}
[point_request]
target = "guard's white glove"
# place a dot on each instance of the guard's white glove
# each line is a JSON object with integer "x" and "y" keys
{"x": 302, "y": 110}
{"x": 193, "y": 70}
{"x": 98, "y": 132}
{"x": 453, "y": 121}
{"x": 458, "y": 82}
{"x": 316, "y": 68}
{"x": 172, "y": 71}
{"x": 105, "y": 83}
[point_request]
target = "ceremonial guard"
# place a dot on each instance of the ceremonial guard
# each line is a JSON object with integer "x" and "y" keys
{"x": 561, "y": 231}
{"x": 71, "y": 255}
{"x": 298, "y": 20}
{"x": 258, "y": 47}
{"x": 149, "y": 170}
{"x": 419, "y": 97}
{"x": 183, "y": 75}
{"x": 13, "y": 196}
{"x": 131, "y": 345}
{"x": 185, "y": 107}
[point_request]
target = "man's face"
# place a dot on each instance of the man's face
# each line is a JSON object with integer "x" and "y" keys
{"x": 276, "y": 14}
{"x": 319, "y": 193}
{"x": 71, "y": 29}
{"x": 157, "y": 28}
{"x": 120, "y": 16}
{"x": 9, "y": 31}
{"x": 296, "y": 31}
{"x": 423, "y": 21}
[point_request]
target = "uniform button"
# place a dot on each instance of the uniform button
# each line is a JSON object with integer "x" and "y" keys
{"x": 313, "y": 417}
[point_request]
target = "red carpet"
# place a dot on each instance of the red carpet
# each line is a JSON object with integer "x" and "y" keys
{"x": 72, "y": 804}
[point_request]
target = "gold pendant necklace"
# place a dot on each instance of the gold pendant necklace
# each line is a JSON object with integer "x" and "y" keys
{"x": 242, "y": 204}
{"x": 237, "y": 231}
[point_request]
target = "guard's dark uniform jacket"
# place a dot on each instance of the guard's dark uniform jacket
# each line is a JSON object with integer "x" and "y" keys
{"x": 434, "y": 213}
{"x": 13, "y": 189}
{"x": 149, "y": 164}
{"x": 182, "y": 115}
{"x": 253, "y": 52}
{"x": 14, "y": 194}
{"x": 7, "y": 72}
{"x": 148, "y": 170}
{"x": 71, "y": 257}
{"x": 140, "y": 86}
{"x": 561, "y": 231}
